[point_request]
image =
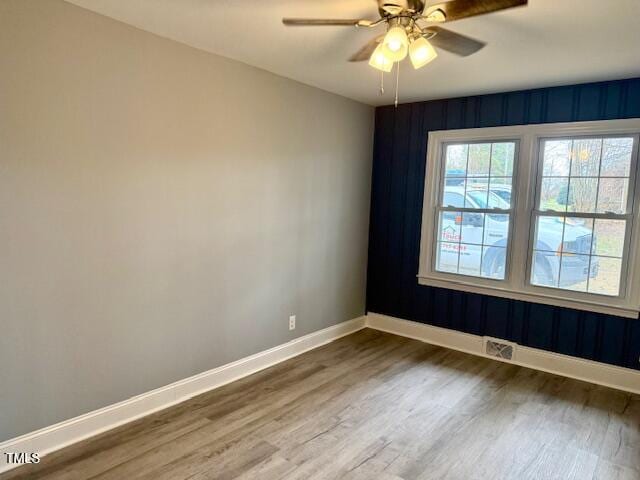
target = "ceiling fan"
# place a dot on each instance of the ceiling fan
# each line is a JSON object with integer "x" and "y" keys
{"x": 412, "y": 29}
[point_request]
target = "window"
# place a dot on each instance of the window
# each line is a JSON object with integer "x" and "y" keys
{"x": 473, "y": 221}
{"x": 542, "y": 213}
{"x": 581, "y": 214}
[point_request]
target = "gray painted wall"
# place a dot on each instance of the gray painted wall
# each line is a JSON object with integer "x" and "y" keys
{"x": 162, "y": 211}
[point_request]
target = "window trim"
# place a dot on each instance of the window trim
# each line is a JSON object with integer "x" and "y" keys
{"x": 525, "y": 179}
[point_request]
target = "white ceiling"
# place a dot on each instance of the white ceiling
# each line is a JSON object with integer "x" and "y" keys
{"x": 550, "y": 42}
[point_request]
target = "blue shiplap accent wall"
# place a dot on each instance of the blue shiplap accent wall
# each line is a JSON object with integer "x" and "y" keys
{"x": 396, "y": 208}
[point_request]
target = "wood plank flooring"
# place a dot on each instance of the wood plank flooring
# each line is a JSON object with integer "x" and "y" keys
{"x": 373, "y": 406}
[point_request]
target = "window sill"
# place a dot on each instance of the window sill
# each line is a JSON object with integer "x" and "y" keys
{"x": 547, "y": 299}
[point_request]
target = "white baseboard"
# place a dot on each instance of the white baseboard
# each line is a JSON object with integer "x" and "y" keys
{"x": 62, "y": 434}
{"x": 619, "y": 378}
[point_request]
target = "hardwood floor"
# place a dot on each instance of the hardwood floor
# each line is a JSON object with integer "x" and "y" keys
{"x": 373, "y": 406}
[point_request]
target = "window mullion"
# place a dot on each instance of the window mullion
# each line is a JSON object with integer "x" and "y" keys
{"x": 600, "y": 216}
{"x": 571, "y": 154}
{"x": 523, "y": 206}
{"x": 598, "y": 181}
{"x": 474, "y": 210}
{"x": 564, "y": 224}
{"x": 591, "y": 253}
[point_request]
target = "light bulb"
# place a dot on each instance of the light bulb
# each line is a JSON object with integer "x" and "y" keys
{"x": 395, "y": 43}
{"x": 379, "y": 61}
{"x": 421, "y": 52}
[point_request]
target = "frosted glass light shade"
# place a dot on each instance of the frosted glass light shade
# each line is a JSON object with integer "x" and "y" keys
{"x": 421, "y": 52}
{"x": 395, "y": 44}
{"x": 379, "y": 61}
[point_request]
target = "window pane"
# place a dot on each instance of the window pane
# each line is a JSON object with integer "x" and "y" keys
{"x": 548, "y": 236}
{"x": 502, "y": 156}
{"x": 496, "y": 201}
{"x": 449, "y": 226}
{"x": 605, "y": 276}
{"x": 456, "y": 161}
{"x": 556, "y": 160}
{"x": 586, "y": 160}
{"x": 616, "y": 157}
{"x": 578, "y": 233}
{"x": 544, "y": 271}
{"x": 500, "y": 188}
{"x": 470, "y": 259}
{"x": 453, "y": 197}
{"x": 609, "y": 237}
{"x": 612, "y": 195}
{"x": 574, "y": 271}
{"x": 578, "y": 255}
{"x": 585, "y": 157}
{"x": 582, "y": 195}
{"x": 447, "y": 257}
{"x": 494, "y": 260}
{"x": 467, "y": 181}
{"x": 477, "y": 191}
{"x": 479, "y": 159}
{"x": 496, "y": 229}
{"x": 472, "y": 228}
{"x": 554, "y": 193}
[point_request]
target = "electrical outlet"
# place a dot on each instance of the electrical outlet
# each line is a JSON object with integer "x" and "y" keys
{"x": 292, "y": 322}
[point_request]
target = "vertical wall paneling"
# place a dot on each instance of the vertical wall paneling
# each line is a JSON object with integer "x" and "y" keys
{"x": 396, "y": 209}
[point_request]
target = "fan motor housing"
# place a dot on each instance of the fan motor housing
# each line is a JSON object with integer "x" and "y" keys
{"x": 398, "y": 6}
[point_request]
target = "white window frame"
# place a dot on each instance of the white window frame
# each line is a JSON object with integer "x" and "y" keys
{"x": 527, "y": 161}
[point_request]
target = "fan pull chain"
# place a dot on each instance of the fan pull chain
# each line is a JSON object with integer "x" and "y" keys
{"x": 397, "y": 82}
{"x": 381, "y": 92}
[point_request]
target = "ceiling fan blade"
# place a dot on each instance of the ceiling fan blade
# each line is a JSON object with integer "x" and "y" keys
{"x": 454, "y": 42}
{"x": 458, "y": 9}
{"x": 303, "y": 22}
{"x": 365, "y": 52}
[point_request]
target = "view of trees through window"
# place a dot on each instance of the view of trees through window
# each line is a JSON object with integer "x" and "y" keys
{"x": 581, "y": 222}
{"x": 544, "y": 213}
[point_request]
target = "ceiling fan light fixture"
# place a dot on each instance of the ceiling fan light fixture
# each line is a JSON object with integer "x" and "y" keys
{"x": 396, "y": 43}
{"x": 421, "y": 52}
{"x": 380, "y": 61}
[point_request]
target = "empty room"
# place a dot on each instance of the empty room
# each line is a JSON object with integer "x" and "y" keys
{"x": 304, "y": 239}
